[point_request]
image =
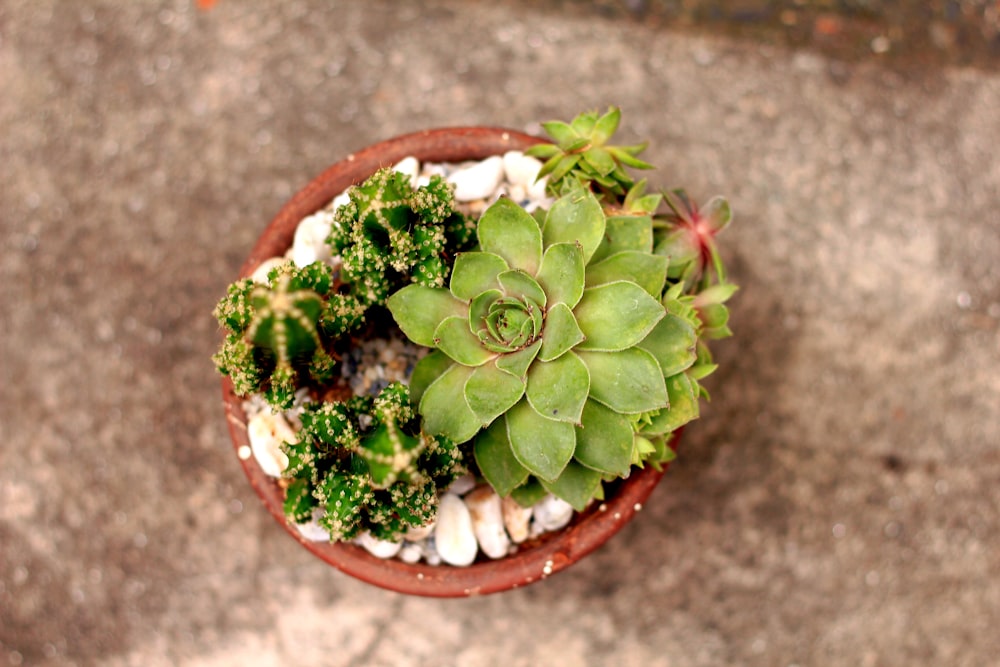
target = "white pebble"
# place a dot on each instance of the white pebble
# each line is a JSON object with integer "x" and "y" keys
{"x": 552, "y": 513}
{"x": 312, "y": 531}
{"x": 309, "y": 244}
{"x": 266, "y": 432}
{"x": 516, "y": 519}
{"x": 462, "y": 485}
{"x": 376, "y": 547}
{"x": 523, "y": 170}
{"x": 487, "y": 521}
{"x": 411, "y": 553}
{"x": 409, "y": 166}
{"x": 479, "y": 180}
{"x": 454, "y": 536}
{"x": 259, "y": 274}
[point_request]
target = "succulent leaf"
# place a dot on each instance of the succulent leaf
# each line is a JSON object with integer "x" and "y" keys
{"x": 517, "y": 363}
{"x": 541, "y": 445}
{"x": 672, "y": 343}
{"x": 577, "y": 485}
{"x": 454, "y": 338}
{"x": 490, "y": 392}
{"x": 562, "y": 274}
{"x": 628, "y": 381}
{"x": 646, "y": 270}
{"x": 419, "y": 310}
{"x": 604, "y": 440}
{"x": 475, "y": 273}
{"x": 428, "y": 369}
{"x": 496, "y": 460}
{"x": 558, "y": 389}
{"x": 505, "y": 229}
{"x": 575, "y": 218}
{"x": 445, "y": 409}
{"x": 623, "y": 233}
{"x": 561, "y": 332}
{"x": 616, "y": 316}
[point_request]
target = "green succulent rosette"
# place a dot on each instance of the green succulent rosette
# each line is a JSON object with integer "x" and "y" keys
{"x": 556, "y": 350}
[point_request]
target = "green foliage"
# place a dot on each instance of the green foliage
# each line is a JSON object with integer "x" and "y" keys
{"x": 390, "y": 234}
{"x": 279, "y": 335}
{"x": 365, "y": 465}
{"x": 581, "y": 154}
{"x": 555, "y": 345}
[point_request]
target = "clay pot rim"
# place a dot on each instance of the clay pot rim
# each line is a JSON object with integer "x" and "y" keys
{"x": 546, "y": 556}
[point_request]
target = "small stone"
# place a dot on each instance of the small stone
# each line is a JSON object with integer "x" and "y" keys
{"x": 552, "y": 513}
{"x": 487, "y": 521}
{"x": 309, "y": 244}
{"x": 259, "y": 274}
{"x": 266, "y": 432}
{"x": 409, "y": 166}
{"x": 376, "y": 547}
{"x": 462, "y": 485}
{"x": 516, "y": 519}
{"x": 454, "y": 537}
{"x": 523, "y": 170}
{"x": 312, "y": 531}
{"x": 478, "y": 181}
{"x": 411, "y": 553}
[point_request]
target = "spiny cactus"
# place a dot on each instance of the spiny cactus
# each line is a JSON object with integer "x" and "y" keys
{"x": 556, "y": 340}
{"x": 367, "y": 466}
{"x": 390, "y": 234}
{"x": 581, "y": 154}
{"x": 280, "y": 333}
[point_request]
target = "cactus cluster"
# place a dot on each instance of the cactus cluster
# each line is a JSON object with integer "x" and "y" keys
{"x": 280, "y": 334}
{"x": 390, "y": 234}
{"x": 566, "y": 345}
{"x": 365, "y": 464}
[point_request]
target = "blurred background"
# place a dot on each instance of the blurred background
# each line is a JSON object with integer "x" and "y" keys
{"x": 837, "y": 504}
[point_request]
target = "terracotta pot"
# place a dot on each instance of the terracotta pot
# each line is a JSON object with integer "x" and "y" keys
{"x": 534, "y": 561}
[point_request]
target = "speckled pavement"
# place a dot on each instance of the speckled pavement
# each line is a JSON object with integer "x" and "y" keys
{"x": 837, "y": 505}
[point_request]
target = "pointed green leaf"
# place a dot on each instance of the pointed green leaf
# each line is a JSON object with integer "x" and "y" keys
{"x": 561, "y": 332}
{"x": 454, "y": 338}
{"x": 474, "y": 273}
{"x": 490, "y": 392}
{"x": 645, "y": 270}
{"x": 717, "y": 214}
{"x": 625, "y": 232}
{"x": 562, "y": 273}
{"x": 576, "y": 485}
{"x": 672, "y": 344}
{"x": 428, "y": 369}
{"x": 629, "y": 381}
{"x": 584, "y": 123}
{"x": 616, "y": 316}
{"x": 520, "y": 284}
{"x": 496, "y": 461}
{"x": 444, "y": 408}
{"x": 604, "y": 440}
{"x": 562, "y": 165}
{"x": 516, "y": 363}
{"x": 541, "y": 445}
{"x": 529, "y": 493}
{"x": 543, "y": 150}
{"x": 480, "y": 306}
{"x": 419, "y": 310}
{"x": 683, "y": 406}
{"x": 558, "y": 389}
{"x": 575, "y": 218}
{"x": 560, "y": 131}
{"x": 600, "y": 160}
{"x": 505, "y": 229}
{"x": 627, "y": 156}
{"x": 606, "y": 125}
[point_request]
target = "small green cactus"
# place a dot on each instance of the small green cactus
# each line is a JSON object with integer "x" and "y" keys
{"x": 367, "y": 466}
{"x": 279, "y": 334}
{"x": 390, "y": 234}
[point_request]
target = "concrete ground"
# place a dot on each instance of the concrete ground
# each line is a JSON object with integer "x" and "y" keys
{"x": 837, "y": 505}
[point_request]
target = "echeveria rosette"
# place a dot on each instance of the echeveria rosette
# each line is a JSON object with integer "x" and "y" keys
{"x": 548, "y": 345}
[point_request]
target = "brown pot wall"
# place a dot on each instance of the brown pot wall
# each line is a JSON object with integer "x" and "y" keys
{"x": 548, "y": 555}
